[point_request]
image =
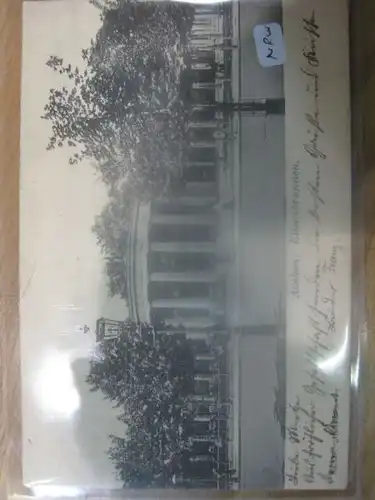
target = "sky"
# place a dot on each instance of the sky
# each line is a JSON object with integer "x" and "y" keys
{"x": 62, "y": 284}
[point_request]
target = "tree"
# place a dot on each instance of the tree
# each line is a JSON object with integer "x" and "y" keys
{"x": 126, "y": 95}
{"x": 112, "y": 228}
{"x": 149, "y": 376}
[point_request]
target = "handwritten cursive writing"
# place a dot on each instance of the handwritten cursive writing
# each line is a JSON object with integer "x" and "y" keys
{"x": 330, "y": 301}
{"x": 314, "y": 190}
{"x": 332, "y": 428}
{"x": 313, "y": 119}
{"x": 330, "y": 266}
{"x": 293, "y": 472}
{"x": 296, "y": 199}
{"x": 316, "y": 256}
{"x": 312, "y": 439}
{"x": 311, "y": 27}
{"x": 295, "y": 279}
{"x": 292, "y": 431}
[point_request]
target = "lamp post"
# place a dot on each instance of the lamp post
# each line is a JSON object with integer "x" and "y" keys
{"x": 108, "y": 329}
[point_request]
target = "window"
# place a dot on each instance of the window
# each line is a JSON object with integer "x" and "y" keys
{"x": 202, "y": 134}
{"x": 200, "y": 174}
{"x": 204, "y": 366}
{"x": 202, "y": 155}
{"x": 204, "y": 115}
{"x": 203, "y": 96}
{"x": 201, "y": 428}
{"x": 203, "y": 75}
{"x": 202, "y": 387}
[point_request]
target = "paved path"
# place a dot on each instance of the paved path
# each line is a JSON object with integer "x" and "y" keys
{"x": 257, "y": 277}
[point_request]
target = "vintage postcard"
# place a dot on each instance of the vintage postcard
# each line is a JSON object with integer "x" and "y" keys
{"x": 185, "y": 267}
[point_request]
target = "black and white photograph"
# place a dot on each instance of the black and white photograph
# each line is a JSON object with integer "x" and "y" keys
{"x": 185, "y": 245}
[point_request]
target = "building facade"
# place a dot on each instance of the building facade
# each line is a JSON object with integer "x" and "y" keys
{"x": 175, "y": 246}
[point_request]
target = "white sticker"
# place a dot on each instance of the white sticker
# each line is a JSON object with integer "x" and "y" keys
{"x": 269, "y": 42}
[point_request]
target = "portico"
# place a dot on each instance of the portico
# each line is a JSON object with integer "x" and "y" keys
{"x": 173, "y": 264}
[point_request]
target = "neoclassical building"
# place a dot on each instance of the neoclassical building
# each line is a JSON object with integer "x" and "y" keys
{"x": 173, "y": 264}
{"x": 175, "y": 245}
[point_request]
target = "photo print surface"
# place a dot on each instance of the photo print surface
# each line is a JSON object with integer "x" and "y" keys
{"x": 185, "y": 245}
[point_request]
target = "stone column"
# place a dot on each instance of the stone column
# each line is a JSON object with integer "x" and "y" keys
{"x": 205, "y": 357}
{"x": 203, "y": 439}
{"x": 187, "y": 201}
{"x": 205, "y": 304}
{"x": 209, "y": 124}
{"x": 204, "y": 377}
{"x": 190, "y": 334}
{"x": 184, "y": 219}
{"x": 199, "y": 323}
{"x": 203, "y": 144}
{"x": 201, "y": 66}
{"x": 206, "y": 85}
{"x": 199, "y": 335}
{"x": 182, "y": 247}
{"x": 202, "y": 418}
{"x": 203, "y": 398}
{"x": 200, "y": 164}
{"x": 185, "y": 277}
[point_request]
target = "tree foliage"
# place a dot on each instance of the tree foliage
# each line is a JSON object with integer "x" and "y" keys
{"x": 122, "y": 108}
{"x": 149, "y": 375}
{"x": 111, "y": 229}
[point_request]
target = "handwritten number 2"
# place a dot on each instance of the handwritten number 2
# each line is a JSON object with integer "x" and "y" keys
{"x": 270, "y": 54}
